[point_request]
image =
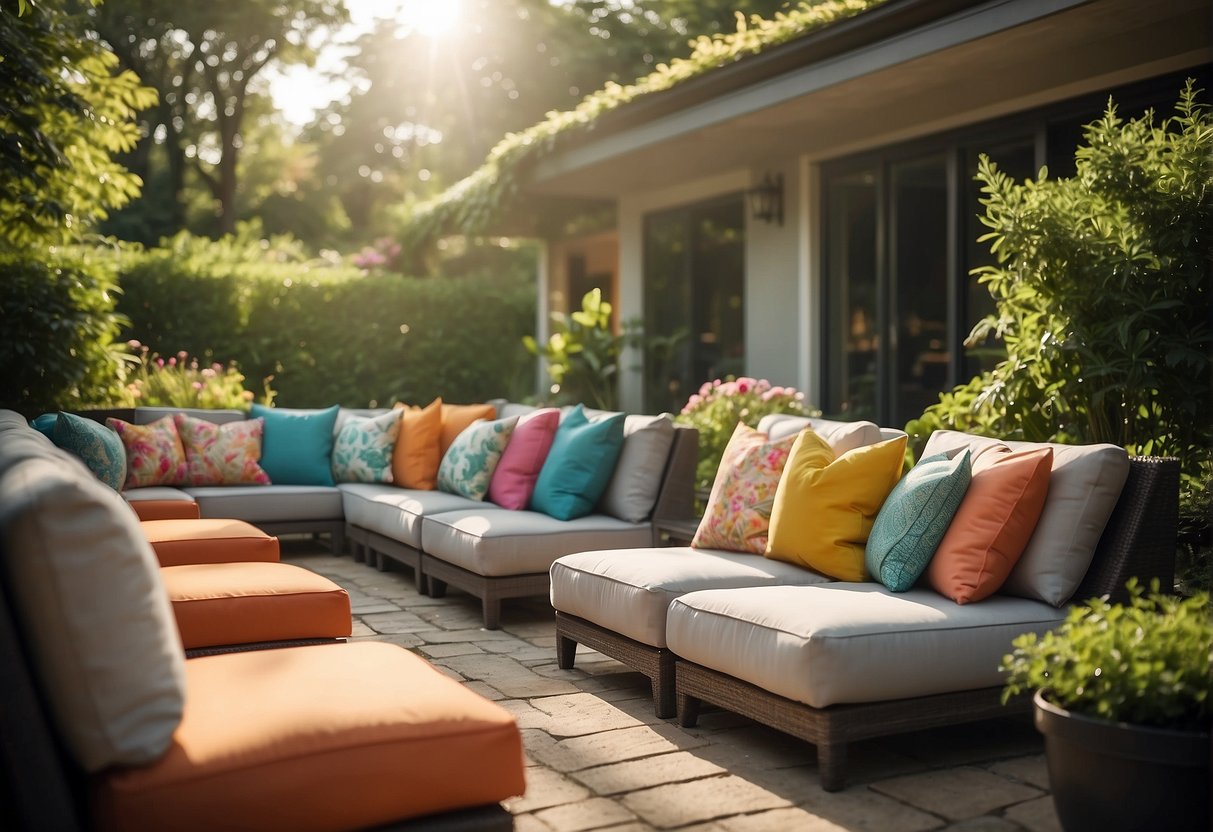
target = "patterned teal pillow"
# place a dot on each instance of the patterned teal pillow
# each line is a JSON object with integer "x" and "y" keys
{"x": 362, "y": 451}
{"x": 100, "y": 447}
{"x": 914, "y": 518}
{"x": 467, "y": 466}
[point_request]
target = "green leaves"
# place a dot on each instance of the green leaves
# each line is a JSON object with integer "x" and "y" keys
{"x": 582, "y": 355}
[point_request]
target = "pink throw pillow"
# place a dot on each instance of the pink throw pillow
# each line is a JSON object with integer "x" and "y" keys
{"x": 516, "y": 472}
{"x": 222, "y": 454}
{"x": 154, "y": 453}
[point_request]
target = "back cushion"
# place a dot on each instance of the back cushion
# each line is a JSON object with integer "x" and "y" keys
{"x": 1084, "y": 487}
{"x": 633, "y": 488}
{"x": 840, "y": 436}
{"x": 87, "y": 590}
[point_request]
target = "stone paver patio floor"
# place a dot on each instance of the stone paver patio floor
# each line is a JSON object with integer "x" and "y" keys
{"x": 598, "y": 758}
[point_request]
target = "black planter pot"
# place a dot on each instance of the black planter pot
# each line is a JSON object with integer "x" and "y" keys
{"x": 1110, "y": 776}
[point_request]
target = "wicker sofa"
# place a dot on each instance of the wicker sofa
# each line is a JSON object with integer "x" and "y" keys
{"x": 832, "y": 662}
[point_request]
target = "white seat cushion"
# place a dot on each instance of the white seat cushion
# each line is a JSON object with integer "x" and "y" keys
{"x": 499, "y": 542}
{"x": 396, "y": 512}
{"x": 852, "y": 642}
{"x": 268, "y": 503}
{"x": 629, "y": 590}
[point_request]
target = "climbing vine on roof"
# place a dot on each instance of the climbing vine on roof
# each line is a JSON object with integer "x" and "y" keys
{"x": 472, "y": 204}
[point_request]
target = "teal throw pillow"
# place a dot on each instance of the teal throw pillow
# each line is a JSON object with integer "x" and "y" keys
{"x": 362, "y": 451}
{"x": 45, "y": 424}
{"x": 913, "y": 519}
{"x": 297, "y": 445}
{"x": 578, "y": 466}
{"x": 100, "y": 447}
{"x": 468, "y": 465}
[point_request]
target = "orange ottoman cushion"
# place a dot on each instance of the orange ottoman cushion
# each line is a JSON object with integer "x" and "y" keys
{"x": 217, "y": 604}
{"x": 164, "y": 509}
{"x": 210, "y": 540}
{"x": 315, "y": 738}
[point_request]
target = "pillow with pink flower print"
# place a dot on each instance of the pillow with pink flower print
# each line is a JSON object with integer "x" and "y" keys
{"x": 738, "y": 514}
{"x": 222, "y": 454}
{"x": 154, "y": 454}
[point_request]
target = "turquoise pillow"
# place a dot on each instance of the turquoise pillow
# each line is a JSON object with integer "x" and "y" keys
{"x": 100, "y": 447}
{"x": 297, "y": 446}
{"x": 914, "y": 518}
{"x": 45, "y": 424}
{"x": 579, "y": 465}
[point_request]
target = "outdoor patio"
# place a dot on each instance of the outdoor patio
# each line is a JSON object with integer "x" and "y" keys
{"x": 598, "y": 758}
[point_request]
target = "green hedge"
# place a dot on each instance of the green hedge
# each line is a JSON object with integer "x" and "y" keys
{"x": 334, "y": 334}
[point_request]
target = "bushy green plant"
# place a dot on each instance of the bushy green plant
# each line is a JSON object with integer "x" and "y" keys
{"x": 183, "y": 381}
{"x": 719, "y": 405}
{"x": 1147, "y": 662}
{"x": 1103, "y": 294}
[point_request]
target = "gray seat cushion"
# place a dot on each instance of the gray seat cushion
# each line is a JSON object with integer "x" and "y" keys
{"x": 849, "y": 642}
{"x": 629, "y": 590}
{"x": 157, "y": 492}
{"x": 396, "y": 512}
{"x": 268, "y": 503}
{"x": 499, "y": 542}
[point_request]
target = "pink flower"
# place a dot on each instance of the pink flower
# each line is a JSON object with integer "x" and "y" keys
{"x": 159, "y": 362}
{"x": 743, "y": 386}
{"x": 197, "y": 385}
{"x": 133, "y": 344}
{"x": 172, "y": 362}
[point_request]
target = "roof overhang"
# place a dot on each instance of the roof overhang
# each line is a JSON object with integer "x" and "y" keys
{"x": 907, "y": 69}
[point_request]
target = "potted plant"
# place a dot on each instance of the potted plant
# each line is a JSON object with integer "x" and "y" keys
{"x": 1123, "y": 698}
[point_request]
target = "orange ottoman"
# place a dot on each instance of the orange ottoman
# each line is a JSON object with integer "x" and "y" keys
{"x": 318, "y": 738}
{"x": 224, "y": 604}
{"x": 165, "y": 509}
{"x": 209, "y": 540}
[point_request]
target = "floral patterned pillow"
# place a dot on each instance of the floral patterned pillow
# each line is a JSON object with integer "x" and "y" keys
{"x": 467, "y": 466}
{"x": 738, "y": 515}
{"x": 221, "y": 454}
{"x": 154, "y": 453}
{"x": 363, "y": 449}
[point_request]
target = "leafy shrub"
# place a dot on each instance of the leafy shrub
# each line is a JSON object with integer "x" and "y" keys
{"x": 59, "y": 323}
{"x": 719, "y": 405}
{"x": 1103, "y": 295}
{"x": 1149, "y": 662}
{"x": 181, "y": 381}
{"x": 582, "y": 355}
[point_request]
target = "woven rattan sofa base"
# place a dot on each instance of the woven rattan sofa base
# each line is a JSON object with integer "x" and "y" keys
{"x": 195, "y": 652}
{"x": 380, "y": 551}
{"x": 655, "y": 662}
{"x": 490, "y": 589}
{"x": 335, "y": 529}
{"x": 832, "y": 728}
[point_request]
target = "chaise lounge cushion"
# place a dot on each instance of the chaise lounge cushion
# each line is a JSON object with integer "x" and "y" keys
{"x": 395, "y": 512}
{"x": 209, "y": 540}
{"x": 851, "y": 642}
{"x": 269, "y": 504}
{"x": 218, "y": 604}
{"x": 499, "y": 542}
{"x": 318, "y": 738}
{"x": 628, "y": 591}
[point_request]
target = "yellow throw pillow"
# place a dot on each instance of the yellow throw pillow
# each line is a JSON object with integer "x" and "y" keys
{"x": 825, "y": 506}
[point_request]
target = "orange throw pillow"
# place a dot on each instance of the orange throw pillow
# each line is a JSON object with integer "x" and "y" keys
{"x": 456, "y": 417}
{"x": 993, "y": 525}
{"x": 417, "y": 455}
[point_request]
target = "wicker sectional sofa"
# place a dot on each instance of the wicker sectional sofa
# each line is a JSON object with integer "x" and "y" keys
{"x": 831, "y": 661}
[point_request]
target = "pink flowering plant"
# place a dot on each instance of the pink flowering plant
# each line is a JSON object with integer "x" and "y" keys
{"x": 184, "y": 381}
{"x": 719, "y": 405}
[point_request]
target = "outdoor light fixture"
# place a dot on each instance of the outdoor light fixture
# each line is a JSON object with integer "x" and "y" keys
{"x": 766, "y": 199}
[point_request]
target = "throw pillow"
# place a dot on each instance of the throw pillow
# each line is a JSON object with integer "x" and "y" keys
{"x": 467, "y": 466}
{"x": 992, "y": 527}
{"x": 99, "y": 447}
{"x": 914, "y": 518}
{"x": 363, "y": 449}
{"x": 825, "y": 506}
{"x": 45, "y": 424}
{"x": 738, "y": 514}
{"x": 154, "y": 453}
{"x": 456, "y": 417}
{"x": 632, "y": 491}
{"x": 297, "y": 446}
{"x": 578, "y": 466}
{"x": 514, "y": 479}
{"x": 417, "y": 455}
{"x": 224, "y": 454}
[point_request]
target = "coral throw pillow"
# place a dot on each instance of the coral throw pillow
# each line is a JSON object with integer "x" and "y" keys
{"x": 579, "y": 465}
{"x": 738, "y": 514}
{"x": 914, "y": 519}
{"x": 154, "y": 453}
{"x": 467, "y": 466}
{"x": 99, "y": 447}
{"x": 417, "y": 455}
{"x": 514, "y": 479}
{"x": 362, "y": 451}
{"x": 456, "y": 417}
{"x": 993, "y": 525}
{"x": 221, "y": 454}
{"x": 826, "y": 506}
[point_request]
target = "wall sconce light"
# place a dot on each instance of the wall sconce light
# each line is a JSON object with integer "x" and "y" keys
{"x": 766, "y": 199}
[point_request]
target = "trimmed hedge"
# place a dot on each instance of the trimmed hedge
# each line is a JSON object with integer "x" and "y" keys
{"x": 330, "y": 334}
